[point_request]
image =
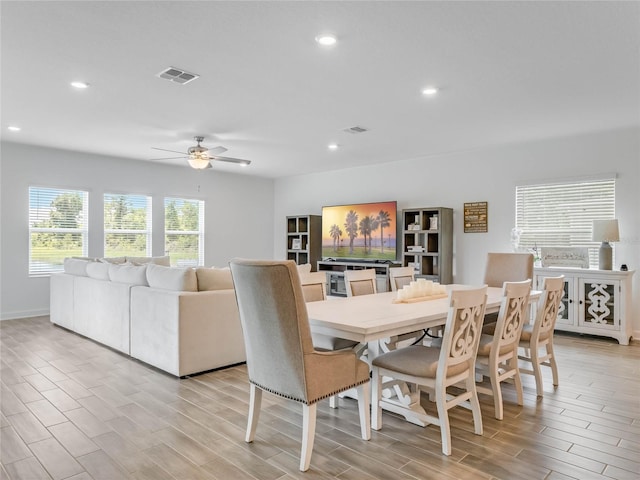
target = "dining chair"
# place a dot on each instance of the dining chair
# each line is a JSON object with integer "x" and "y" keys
{"x": 540, "y": 334}
{"x": 281, "y": 358}
{"x": 314, "y": 289}
{"x": 360, "y": 282}
{"x": 400, "y": 276}
{"x": 505, "y": 267}
{"x": 435, "y": 368}
{"x": 497, "y": 356}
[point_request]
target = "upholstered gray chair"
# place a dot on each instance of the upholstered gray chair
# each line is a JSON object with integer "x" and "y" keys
{"x": 507, "y": 267}
{"x": 435, "y": 368}
{"x": 497, "y": 357}
{"x": 540, "y": 334}
{"x": 281, "y": 358}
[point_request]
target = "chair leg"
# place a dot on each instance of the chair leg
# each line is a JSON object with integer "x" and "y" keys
{"x": 376, "y": 393}
{"x": 308, "y": 434}
{"x": 497, "y": 391}
{"x": 255, "y": 399}
{"x": 552, "y": 362}
{"x": 443, "y": 416}
{"x": 517, "y": 381}
{"x": 333, "y": 401}
{"x": 475, "y": 405}
{"x": 537, "y": 371}
{"x": 364, "y": 393}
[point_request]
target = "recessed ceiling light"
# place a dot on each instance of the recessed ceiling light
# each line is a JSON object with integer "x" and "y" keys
{"x": 332, "y": 146}
{"x": 13, "y": 128}
{"x": 79, "y": 85}
{"x": 429, "y": 91}
{"x": 326, "y": 39}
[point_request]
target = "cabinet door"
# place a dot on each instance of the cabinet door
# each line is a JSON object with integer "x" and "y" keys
{"x": 599, "y": 303}
{"x": 566, "y": 312}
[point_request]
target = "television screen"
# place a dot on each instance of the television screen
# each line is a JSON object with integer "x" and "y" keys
{"x": 364, "y": 231}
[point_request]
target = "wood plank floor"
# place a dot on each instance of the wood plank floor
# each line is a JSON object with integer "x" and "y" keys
{"x": 73, "y": 409}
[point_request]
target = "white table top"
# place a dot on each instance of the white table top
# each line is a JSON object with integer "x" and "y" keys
{"x": 371, "y": 317}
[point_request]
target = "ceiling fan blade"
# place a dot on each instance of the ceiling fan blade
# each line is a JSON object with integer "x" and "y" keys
{"x": 231, "y": 160}
{"x": 168, "y": 158}
{"x": 165, "y": 150}
{"x": 217, "y": 150}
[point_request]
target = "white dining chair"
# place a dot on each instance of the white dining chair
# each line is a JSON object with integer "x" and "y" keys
{"x": 497, "y": 357}
{"x": 400, "y": 276}
{"x": 540, "y": 334}
{"x": 360, "y": 282}
{"x": 435, "y": 369}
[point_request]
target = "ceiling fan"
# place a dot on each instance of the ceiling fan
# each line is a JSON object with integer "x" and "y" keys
{"x": 200, "y": 157}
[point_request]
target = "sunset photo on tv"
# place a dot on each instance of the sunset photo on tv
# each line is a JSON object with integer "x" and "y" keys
{"x": 364, "y": 231}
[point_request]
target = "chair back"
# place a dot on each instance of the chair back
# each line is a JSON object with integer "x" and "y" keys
{"x": 512, "y": 316}
{"x": 314, "y": 286}
{"x": 507, "y": 267}
{"x": 275, "y": 325}
{"x": 360, "y": 282}
{"x": 548, "y": 307}
{"x": 462, "y": 332}
{"x": 400, "y": 276}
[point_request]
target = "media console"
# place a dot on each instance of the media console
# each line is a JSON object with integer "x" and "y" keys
{"x": 335, "y": 269}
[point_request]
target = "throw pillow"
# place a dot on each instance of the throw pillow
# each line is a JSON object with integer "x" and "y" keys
{"x": 214, "y": 278}
{"x": 115, "y": 260}
{"x": 98, "y": 270}
{"x": 131, "y": 274}
{"x": 172, "y": 278}
{"x": 76, "y": 266}
{"x": 164, "y": 260}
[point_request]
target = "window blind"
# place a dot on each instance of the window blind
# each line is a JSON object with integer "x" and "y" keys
{"x": 562, "y": 214}
{"x": 127, "y": 225}
{"x": 58, "y": 228}
{"x": 184, "y": 231}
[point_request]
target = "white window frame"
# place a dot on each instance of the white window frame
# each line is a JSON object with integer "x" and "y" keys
{"x": 147, "y": 232}
{"x": 40, "y": 199}
{"x": 199, "y": 233}
{"x": 561, "y": 213}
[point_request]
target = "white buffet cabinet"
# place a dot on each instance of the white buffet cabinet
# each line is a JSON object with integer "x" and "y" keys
{"x": 595, "y": 302}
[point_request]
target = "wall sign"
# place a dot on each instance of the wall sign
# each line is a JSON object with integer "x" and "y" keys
{"x": 476, "y": 217}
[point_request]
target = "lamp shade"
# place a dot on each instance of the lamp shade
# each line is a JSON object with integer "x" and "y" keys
{"x": 606, "y": 231}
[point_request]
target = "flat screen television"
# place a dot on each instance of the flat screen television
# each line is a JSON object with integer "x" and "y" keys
{"x": 362, "y": 231}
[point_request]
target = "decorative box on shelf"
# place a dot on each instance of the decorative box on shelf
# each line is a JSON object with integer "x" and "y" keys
{"x": 595, "y": 302}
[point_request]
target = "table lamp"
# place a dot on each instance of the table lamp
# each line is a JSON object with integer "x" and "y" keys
{"x": 605, "y": 231}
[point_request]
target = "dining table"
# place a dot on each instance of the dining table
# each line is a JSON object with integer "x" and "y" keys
{"x": 377, "y": 320}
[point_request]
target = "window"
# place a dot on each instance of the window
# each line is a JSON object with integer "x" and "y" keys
{"x": 184, "y": 231}
{"x": 127, "y": 225}
{"x": 57, "y": 228}
{"x": 562, "y": 214}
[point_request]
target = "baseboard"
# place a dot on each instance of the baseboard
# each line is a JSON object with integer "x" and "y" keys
{"x": 24, "y": 314}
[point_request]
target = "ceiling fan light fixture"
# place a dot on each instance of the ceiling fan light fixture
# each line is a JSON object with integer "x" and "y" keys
{"x": 199, "y": 163}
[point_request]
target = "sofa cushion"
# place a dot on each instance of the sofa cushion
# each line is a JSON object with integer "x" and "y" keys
{"x": 76, "y": 266}
{"x": 116, "y": 260}
{"x": 164, "y": 260}
{"x": 172, "y": 278}
{"x": 131, "y": 274}
{"x": 98, "y": 270}
{"x": 214, "y": 278}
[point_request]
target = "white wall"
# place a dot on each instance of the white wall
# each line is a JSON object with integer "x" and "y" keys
{"x": 488, "y": 174}
{"x": 238, "y": 211}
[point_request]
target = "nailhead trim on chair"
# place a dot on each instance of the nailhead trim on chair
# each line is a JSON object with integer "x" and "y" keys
{"x": 312, "y": 401}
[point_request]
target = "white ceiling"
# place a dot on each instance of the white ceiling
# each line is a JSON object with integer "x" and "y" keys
{"x": 507, "y": 72}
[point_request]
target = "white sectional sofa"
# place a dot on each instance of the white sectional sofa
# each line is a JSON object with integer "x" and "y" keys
{"x": 180, "y": 320}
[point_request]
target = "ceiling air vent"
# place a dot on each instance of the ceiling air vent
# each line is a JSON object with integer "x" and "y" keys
{"x": 178, "y": 76}
{"x": 355, "y": 129}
